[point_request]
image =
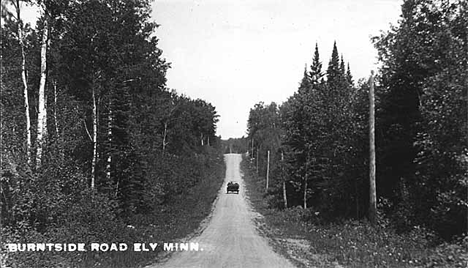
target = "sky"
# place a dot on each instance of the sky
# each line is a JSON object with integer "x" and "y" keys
{"x": 236, "y": 53}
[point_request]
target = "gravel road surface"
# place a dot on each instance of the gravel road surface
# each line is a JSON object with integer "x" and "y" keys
{"x": 230, "y": 239}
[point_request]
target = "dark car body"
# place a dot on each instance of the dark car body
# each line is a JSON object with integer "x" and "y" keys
{"x": 232, "y": 187}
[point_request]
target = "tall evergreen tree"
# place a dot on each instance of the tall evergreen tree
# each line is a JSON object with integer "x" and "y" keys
{"x": 334, "y": 71}
{"x": 315, "y": 72}
{"x": 305, "y": 84}
{"x": 349, "y": 76}
{"x": 342, "y": 65}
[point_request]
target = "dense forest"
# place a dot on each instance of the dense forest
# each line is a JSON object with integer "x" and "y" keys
{"x": 94, "y": 146}
{"x": 318, "y": 140}
{"x": 235, "y": 145}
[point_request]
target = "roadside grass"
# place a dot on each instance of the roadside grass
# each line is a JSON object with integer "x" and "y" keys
{"x": 350, "y": 243}
{"x": 174, "y": 223}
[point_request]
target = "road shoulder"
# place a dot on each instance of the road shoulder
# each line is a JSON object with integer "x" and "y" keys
{"x": 287, "y": 242}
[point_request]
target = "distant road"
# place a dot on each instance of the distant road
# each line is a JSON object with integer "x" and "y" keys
{"x": 230, "y": 239}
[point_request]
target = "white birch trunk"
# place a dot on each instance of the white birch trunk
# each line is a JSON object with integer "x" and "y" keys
{"x": 94, "y": 160}
{"x": 25, "y": 81}
{"x": 285, "y": 196}
{"x": 305, "y": 191}
{"x": 109, "y": 139}
{"x": 42, "y": 112}
{"x": 55, "y": 109}
{"x": 164, "y": 143}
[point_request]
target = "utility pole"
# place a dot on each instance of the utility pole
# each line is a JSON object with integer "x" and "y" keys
{"x": 373, "y": 194}
{"x": 257, "y": 161}
{"x": 268, "y": 169}
{"x": 304, "y": 197}
{"x": 252, "y": 155}
{"x": 285, "y": 197}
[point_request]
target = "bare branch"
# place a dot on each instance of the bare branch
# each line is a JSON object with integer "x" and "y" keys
{"x": 87, "y": 131}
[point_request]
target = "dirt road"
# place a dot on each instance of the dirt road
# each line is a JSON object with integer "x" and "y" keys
{"x": 230, "y": 239}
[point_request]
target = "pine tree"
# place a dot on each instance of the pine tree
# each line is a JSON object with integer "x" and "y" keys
{"x": 349, "y": 77}
{"x": 333, "y": 70}
{"x": 305, "y": 84}
{"x": 342, "y": 66}
{"x": 315, "y": 72}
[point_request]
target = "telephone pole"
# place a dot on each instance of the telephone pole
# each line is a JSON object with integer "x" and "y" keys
{"x": 373, "y": 194}
{"x": 268, "y": 169}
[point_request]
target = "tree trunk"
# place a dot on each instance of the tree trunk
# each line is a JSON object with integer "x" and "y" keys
{"x": 356, "y": 194}
{"x": 164, "y": 143}
{"x": 257, "y": 161}
{"x": 285, "y": 196}
{"x": 305, "y": 192}
{"x": 372, "y": 192}
{"x": 109, "y": 140}
{"x": 42, "y": 112}
{"x": 95, "y": 127}
{"x": 268, "y": 170}
{"x": 25, "y": 81}
{"x": 55, "y": 109}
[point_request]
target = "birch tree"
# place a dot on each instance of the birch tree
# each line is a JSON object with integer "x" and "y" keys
{"x": 17, "y": 5}
{"x": 42, "y": 111}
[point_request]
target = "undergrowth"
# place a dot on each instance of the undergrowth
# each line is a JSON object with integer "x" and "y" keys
{"x": 352, "y": 243}
{"x": 93, "y": 218}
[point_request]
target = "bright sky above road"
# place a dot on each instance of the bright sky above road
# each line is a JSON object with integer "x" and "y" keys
{"x": 236, "y": 53}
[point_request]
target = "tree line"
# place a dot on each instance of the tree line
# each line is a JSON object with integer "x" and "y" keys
{"x": 89, "y": 129}
{"x": 319, "y": 137}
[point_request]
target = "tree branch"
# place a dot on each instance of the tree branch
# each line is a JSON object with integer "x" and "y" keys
{"x": 87, "y": 131}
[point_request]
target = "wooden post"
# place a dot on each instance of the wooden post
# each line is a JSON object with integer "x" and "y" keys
{"x": 285, "y": 196}
{"x": 257, "y": 161}
{"x": 305, "y": 181}
{"x": 373, "y": 194}
{"x": 268, "y": 170}
{"x": 252, "y": 154}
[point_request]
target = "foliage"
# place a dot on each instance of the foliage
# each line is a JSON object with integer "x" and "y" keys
{"x": 349, "y": 243}
{"x": 324, "y": 129}
{"x": 265, "y": 133}
{"x": 421, "y": 128}
{"x": 423, "y": 115}
{"x": 237, "y": 145}
{"x": 154, "y": 149}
